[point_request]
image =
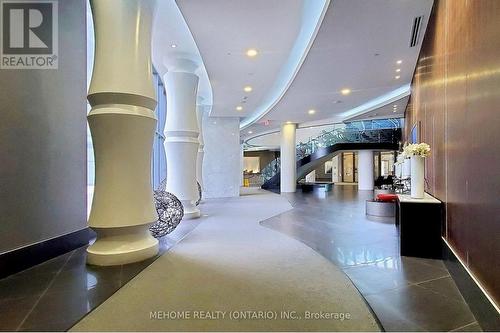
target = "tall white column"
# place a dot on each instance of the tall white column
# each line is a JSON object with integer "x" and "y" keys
{"x": 288, "y": 172}
{"x": 200, "y": 109}
{"x": 181, "y": 133}
{"x": 335, "y": 169}
{"x": 365, "y": 170}
{"x": 122, "y": 124}
{"x": 242, "y": 164}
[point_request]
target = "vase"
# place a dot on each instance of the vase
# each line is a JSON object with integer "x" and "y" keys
{"x": 406, "y": 168}
{"x": 417, "y": 177}
{"x": 399, "y": 170}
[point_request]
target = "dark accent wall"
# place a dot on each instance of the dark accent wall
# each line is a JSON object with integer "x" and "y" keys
{"x": 43, "y": 142}
{"x": 456, "y": 100}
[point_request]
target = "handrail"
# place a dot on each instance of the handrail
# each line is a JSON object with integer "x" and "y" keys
{"x": 329, "y": 138}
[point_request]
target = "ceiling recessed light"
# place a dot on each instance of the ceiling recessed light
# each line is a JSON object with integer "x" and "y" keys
{"x": 252, "y": 52}
{"x": 345, "y": 91}
{"x": 173, "y": 46}
{"x": 239, "y": 108}
{"x": 399, "y": 62}
{"x": 397, "y": 77}
{"x": 312, "y": 111}
{"x": 337, "y": 101}
{"x": 395, "y": 111}
{"x": 288, "y": 122}
{"x": 398, "y": 70}
{"x": 250, "y": 132}
{"x": 247, "y": 89}
{"x": 395, "y": 106}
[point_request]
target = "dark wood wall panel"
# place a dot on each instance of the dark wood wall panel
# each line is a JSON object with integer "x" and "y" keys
{"x": 456, "y": 100}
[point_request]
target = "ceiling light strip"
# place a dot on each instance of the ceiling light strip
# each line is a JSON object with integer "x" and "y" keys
{"x": 378, "y": 102}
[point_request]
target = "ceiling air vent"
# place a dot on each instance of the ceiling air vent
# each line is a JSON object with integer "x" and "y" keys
{"x": 415, "y": 30}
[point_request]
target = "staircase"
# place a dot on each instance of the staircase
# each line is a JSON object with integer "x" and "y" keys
{"x": 317, "y": 151}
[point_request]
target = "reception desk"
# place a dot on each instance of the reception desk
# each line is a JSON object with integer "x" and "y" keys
{"x": 420, "y": 223}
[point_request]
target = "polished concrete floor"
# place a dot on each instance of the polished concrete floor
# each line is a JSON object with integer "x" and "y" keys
{"x": 406, "y": 293}
{"x": 53, "y": 296}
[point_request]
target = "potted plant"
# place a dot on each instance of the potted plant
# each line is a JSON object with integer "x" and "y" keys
{"x": 417, "y": 152}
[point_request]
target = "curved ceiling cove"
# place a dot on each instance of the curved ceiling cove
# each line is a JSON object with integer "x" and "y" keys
{"x": 172, "y": 42}
{"x": 314, "y": 61}
{"x": 280, "y": 33}
{"x": 361, "y": 59}
{"x": 312, "y": 16}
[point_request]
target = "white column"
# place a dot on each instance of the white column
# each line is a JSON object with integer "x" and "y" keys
{"x": 288, "y": 172}
{"x": 242, "y": 164}
{"x": 199, "y": 160}
{"x": 122, "y": 124}
{"x": 365, "y": 170}
{"x": 335, "y": 169}
{"x": 181, "y": 133}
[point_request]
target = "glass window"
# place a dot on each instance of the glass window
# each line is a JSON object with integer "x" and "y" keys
{"x": 159, "y": 161}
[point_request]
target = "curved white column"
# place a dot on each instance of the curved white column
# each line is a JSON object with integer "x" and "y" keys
{"x": 181, "y": 134}
{"x": 199, "y": 160}
{"x": 242, "y": 164}
{"x": 122, "y": 124}
{"x": 365, "y": 170}
{"x": 288, "y": 172}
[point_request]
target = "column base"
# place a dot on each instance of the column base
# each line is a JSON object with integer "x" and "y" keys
{"x": 193, "y": 214}
{"x": 190, "y": 210}
{"x": 122, "y": 245}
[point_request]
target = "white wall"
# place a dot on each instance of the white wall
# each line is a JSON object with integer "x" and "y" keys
{"x": 222, "y": 162}
{"x": 251, "y": 163}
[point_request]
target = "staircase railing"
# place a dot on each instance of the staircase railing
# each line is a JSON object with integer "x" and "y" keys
{"x": 270, "y": 170}
{"x": 331, "y": 137}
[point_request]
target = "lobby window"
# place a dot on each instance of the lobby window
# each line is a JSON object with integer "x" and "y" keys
{"x": 159, "y": 161}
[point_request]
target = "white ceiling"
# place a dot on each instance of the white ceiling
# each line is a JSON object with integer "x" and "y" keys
{"x": 225, "y": 29}
{"x": 391, "y": 110}
{"x": 356, "y": 47}
{"x": 170, "y": 29}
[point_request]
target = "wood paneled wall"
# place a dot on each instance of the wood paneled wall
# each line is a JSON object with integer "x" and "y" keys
{"x": 456, "y": 100}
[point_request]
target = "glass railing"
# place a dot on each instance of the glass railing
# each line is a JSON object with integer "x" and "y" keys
{"x": 270, "y": 170}
{"x": 329, "y": 138}
{"x": 345, "y": 135}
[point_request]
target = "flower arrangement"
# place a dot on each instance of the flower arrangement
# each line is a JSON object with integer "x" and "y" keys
{"x": 417, "y": 149}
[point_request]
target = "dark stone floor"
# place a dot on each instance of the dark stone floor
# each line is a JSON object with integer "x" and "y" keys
{"x": 56, "y": 294}
{"x": 406, "y": 293}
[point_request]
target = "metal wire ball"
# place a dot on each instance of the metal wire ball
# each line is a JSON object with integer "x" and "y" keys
{"x": 199, "y": 194}
{"x": 170, "y": 213}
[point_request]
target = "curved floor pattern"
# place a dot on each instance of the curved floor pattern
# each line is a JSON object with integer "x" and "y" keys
{"x": 230, "y": 263}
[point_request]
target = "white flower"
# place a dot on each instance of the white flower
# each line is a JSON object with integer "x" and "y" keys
{"x": 417, "y": 149}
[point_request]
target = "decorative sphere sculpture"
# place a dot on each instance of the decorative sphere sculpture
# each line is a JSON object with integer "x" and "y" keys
{"x": 170, "y": 213}
{"x": 199, "y": 194}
